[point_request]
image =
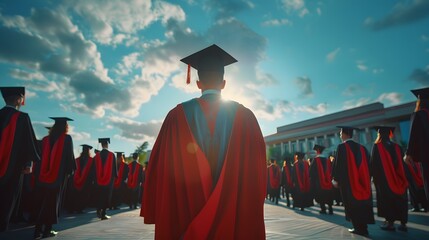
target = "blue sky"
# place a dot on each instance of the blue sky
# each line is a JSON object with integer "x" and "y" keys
{"x": 113, "y": 66}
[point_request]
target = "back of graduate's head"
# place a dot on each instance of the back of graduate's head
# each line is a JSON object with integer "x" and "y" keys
{"x": 104, "y": 142}
{"x": 13, "y": 96}
{"x": 422, "y": 96}
{"x": 209, "y": 63}
{"x": 60, "y": 126}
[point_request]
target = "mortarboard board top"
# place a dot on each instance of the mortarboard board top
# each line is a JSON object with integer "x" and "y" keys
{"x": 422, "y": 93}
{"x": 384, "y": 129}
{"x": 209, "y": 59}
{"x": 119, "y": 153}
{"x": 61, "y": 119}
{"x": 12, "y": 91}
{"x": 104, "y": 140}
{"x": 318, "y": 147}
{"x": 86, "y": 146}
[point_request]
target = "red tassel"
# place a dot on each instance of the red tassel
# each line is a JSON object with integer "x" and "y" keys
{"x": 188, "y": 77}
{"x": 23, "y": 101}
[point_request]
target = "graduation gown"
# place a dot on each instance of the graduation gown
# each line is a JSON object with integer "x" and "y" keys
{"x": 105, "y": 174}
{"x": 390, "y": 181}
{"x": 18, "y": 147}
{"x": 119, "y": 186}
{"x": 301, "y": 194}
{"x": 416, "y": 184}
{"x": 134, "y": 181}
{"x": 81, "y": 182}
{"x": 320, "y": 178}
{"x": 274, "y": 180}
{"x": 286, "y": 180}
{"x": 206, "y": 177}
{"x": 351, "y": 171}
{"x": 57, "y": 164}
{"x": 417, "y": 145}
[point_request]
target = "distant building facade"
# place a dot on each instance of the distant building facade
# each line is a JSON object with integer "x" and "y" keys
{"x": 302, "y": 136}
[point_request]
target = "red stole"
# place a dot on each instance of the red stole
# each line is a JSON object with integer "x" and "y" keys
{"x": 304, "y": 180}
{"x": 133, "y": 175}
{"x": 288, "y": 179}
{"x": 6, "y": 142}
{"x": 80, "y": 175}
{"x": 358, "y": 177}
{"x": 395, "y": 175}
{"x": 324, "y": 176}
{"x": 179, "y": 196}
{"x": 118, "y": 180}
{"x": 51, "y": 159}
{"x": 275, "y": 176}
{"x": 103, "y": 173}
{"x": 416, "y": 173}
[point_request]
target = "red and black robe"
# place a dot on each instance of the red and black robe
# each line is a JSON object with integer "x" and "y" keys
{"x": 390, "y": 181}
{"x": 206, "y": 177}
{"x": 105, "y": 174}
{"x": 417, "y": 145}
{"x": 57, "y": 163}
{"x": 273, "y": 181}
{"x": 351, "y": 171}
{"x": 321, "y": 180}
{"x": 18, "y": 148}
{"x": 302, "y": 194}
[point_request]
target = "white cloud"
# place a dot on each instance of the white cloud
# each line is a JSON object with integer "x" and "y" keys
{"x": 356, "y": 103}
{"x": 392, "y": 98}
{"x": 277, "y": 22}
{"x": 425, "y": 38}
{"x": 25, "y": 75}
{"x": 361, "y": 66}
{"x": 332, "y": 55}
{"x": 297, "y": 6}
{"x": 318, "y": 109}
{"x": 136, "y": 131}
{"x": 116, "y": 21}
{"x": 304, "y": 84}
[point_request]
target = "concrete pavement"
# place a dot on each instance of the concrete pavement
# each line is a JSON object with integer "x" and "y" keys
{"x": 281, "y": 223}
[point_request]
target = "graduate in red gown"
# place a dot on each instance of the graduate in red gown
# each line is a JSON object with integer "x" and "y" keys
{"x": 419, "y": 135}
{"x": 302, "y": 193}
{"x": 389, "y": 179}
{"x": 18, "y": 149}
{"x": 286, "y": 181}
{"x": 82, "y": 179}
{"x": 320, "y": 178}
{"x": 351, "y": 174}
{"x": 134, "y": 181}
{"x": 119, "y": 186}
{"x": 206, "y": 177}
{"x": 274, "y": 180}
{"x": 58, "y": 162}
{"x": 105, "y": 174}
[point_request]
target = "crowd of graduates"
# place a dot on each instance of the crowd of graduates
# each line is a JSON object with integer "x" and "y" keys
{"x": 345, "y": 177}
{"x": 39, "y": 178}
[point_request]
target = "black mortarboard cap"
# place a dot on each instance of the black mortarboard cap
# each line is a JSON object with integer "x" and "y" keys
{"x": 384, "y": 129}
{"x": 319, "y": 148}
{"x": 12, "y": 91}
{"x": 61, "y": 119}
{"x": 96, "y": 151}
{"x": 119, "y": 153}
{"x": 86, "y": 146}
{"x": 347, "y": 129}
{"x": 422, "y": 93}
{"x": 104, "y": 140}
{"x": 212, "y": 58}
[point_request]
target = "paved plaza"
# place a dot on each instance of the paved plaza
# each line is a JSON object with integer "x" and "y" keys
{"x": 281, "y": 223}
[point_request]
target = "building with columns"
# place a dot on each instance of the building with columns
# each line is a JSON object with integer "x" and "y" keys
{"x": 302, "y": 136}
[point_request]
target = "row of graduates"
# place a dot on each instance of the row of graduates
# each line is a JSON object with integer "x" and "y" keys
{"x": 317, "y": 178}
{"x": 127, "y": 188}
{"x": 304, "y": 180}
{"x": 46, "y": 166}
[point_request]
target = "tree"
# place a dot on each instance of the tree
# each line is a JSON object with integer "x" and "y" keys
{"x": 141, "y": 151}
